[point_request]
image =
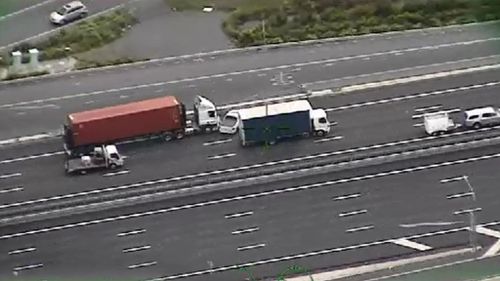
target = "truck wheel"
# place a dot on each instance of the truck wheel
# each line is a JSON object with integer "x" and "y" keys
{"x": 320, "y": 133}
{"x": 179, "y": 135}
{"x": 167, "y": 137}
{"x": 112, "y": 166}
{"x": 476, "y": 126}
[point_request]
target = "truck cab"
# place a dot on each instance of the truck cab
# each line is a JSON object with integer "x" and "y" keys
{"x": 230, "y": 123}
{"x": 205, "y": 114}
{"x": 320, "y": 123}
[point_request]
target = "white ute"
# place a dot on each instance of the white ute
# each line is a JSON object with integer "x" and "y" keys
{"x": 438, "y": 123}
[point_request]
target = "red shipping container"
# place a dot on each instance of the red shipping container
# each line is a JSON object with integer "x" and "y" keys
{"x": 109, "y": 124}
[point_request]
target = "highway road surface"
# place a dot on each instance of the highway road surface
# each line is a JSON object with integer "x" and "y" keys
{"x": 30, "y": 18}
{"x": 41, "y": 105}
{"x": 365, "y": 121}
{"x": 333, "y": 220}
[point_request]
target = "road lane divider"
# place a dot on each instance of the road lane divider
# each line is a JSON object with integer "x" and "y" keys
{"x": 347, "y": 197}
{"x": 239, "y": 215}
{"x": 141, "y": 265}
{"x": 245, "y": 230}
{"x": 28, "y": 267}
{"x": 251, "y": 247}
{"x": 22, "y": 251}
{"x": 8, "y": 176}
{"x": 136, "y": 249}
{"x": 413, "y": 245}
{"x": 353, "y": 213}
{"x": 131, "y": 232}
{"x": 360, "y": 228}
{"x": 315, "y": 253}
{"x": 11, "y": 189}
{"x": 156, "y": 190}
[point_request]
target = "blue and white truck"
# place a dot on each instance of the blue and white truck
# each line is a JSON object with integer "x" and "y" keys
{"x": 273, "y": 122}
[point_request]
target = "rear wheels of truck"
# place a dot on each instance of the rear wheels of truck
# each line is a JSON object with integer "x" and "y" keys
{"x": 320, "y": 133}
{"x": 179, "y": 135}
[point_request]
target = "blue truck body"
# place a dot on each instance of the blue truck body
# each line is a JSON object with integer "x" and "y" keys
{"x": 275, "y": 125}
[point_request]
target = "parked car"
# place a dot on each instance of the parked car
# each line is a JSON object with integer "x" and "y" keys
{"x": 481, "y": 117}
{"x": 69, "y": 12}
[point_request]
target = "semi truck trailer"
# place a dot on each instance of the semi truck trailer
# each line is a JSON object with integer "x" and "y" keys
{"x": 273, "y": 122}
{"x": 164, "y": 117}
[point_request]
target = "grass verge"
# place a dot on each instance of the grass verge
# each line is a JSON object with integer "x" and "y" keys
{"x": 298, "y": 20}
{"x": 84, "y": 36}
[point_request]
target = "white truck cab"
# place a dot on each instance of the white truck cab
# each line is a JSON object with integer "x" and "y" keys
{"x": 205, "y": 114}
{"x": 230, "y": 123}
{"x": 320, "y": 122}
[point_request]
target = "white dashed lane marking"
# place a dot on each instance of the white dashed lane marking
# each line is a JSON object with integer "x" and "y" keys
{"x": 346, "y": 197}
{"x": 131, "y": 232}
{"x": 7, "y": 176}
{"x": 250, "y": 247}
{"x": 353, "y": 213}
{"x": 21, "y": 251}
{"x": 361, "y": 228}
{"x": 144, "y": 264}
{"x": 222, "y": 156}
{"x": 136, "y": 249}
{"x": 245, "y": 230}
{"x": 238, "y": 215}
{"x": 12, "y": 189}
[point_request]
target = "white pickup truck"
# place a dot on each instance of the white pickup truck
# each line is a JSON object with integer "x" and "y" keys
{"x": 438, "y": 123}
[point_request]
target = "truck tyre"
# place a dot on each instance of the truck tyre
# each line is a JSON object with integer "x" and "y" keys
{"x": 167, "y": 137}
{"x": 476, "y": 125}
{"x": 179, "y": 135}
{"x": 112, "y": 166}
{"x": 320, "y": 133}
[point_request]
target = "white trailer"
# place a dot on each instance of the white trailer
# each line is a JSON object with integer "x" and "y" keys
{"x": 438, "y": 123}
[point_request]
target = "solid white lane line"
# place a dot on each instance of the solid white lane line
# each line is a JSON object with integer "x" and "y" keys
{"x": 432, "y": 107}
{"x": 123, "y": 172}
{"x": 245, "y": 230}
{"x": 361, "y": 228}
{"x": 345, "y": 197}
{"x": 139, "y": 265}
{"x": 410, "y": 244}
{"x": 451, "y": 179}
{"x": 20, "y": 251}
{"x": 459, "y": 195}
{"x": 26, "y": 267}
{"x": 250, "y": 247}
{"x": 238, "y": 215}
{"x": 7, "y": 176}
{"x": 444, "y": 223}
{"x": 9, "y": 190}
{"x": 488, "y": 231}
{"x": 467, "y": 211}
{"x": 217, "y": 142}
{"x": 131, "y": 232}
{"x": 136, "y": 249}
{"x": 329, "y": 139}
{"x": 30, "y": 157}
{"x": 311, "y": 254}
{"x": 414, "y": 96}
{"x": 215, "y": 157}
{"x": 448, "y": 111}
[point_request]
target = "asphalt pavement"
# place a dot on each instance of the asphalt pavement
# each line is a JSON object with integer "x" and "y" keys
{"x": 333, "y": 220}
{"x": 31, "y": 22}
{"x": 377, "y": 117}
{"x": 41, "y": 105}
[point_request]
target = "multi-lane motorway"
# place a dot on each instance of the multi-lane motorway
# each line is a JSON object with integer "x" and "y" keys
{"x": 329, "y": 220}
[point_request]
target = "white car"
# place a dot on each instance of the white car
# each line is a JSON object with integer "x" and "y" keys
{"x": 69, "y": 12}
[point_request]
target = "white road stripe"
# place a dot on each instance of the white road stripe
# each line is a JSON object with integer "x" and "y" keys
{"x": 451, "y": 179}
{"x": 20, "y": 251}
{"x": 353, "y": 213}
{"x": 31, "y": 157}
{"x": 411, "y": 244}
{"x": 329, "y": 139}
{"x": 145, "y": 264}
{"x": 467, "y": 211}
{"x": 7, "y": 176}
{"x": 445, "y": 223}
{"x": 433, "y": 107}
{"x": 9, "y": 190}
{"x": 136, "y": 249}
{"x": 493, "y": 250}
{"x": 488, "y": 231}
{"x": 459, "y": 195}
{"x": 361, "y": 228}
{"x": 246, "y": 230}
{"x": 345, "y": 197}
{"x": 222, "y": 156}
{"x": 217, "y": 142}
{"x": 123, "y": 172}
{"x": 131, "y": 232}
{"x": 250, "y": 247}
{"x": 26, "y": 267}
{"x": 237, "y": 215}
{"x": 418, "y": 125}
